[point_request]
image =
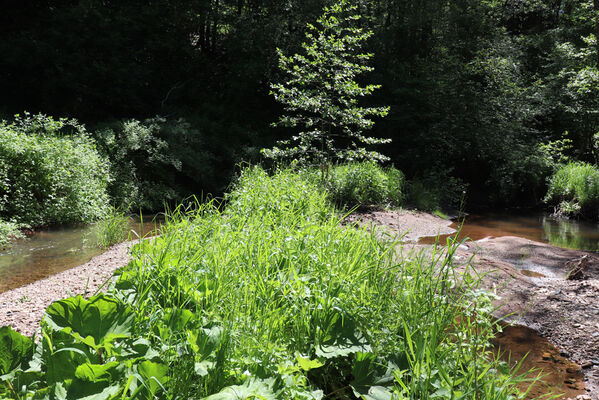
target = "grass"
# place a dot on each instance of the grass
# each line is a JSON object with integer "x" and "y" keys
{"x": 272, "y": 298}
{"x": 320, "y": 309}
{"x": 367, "y": 183}
{"x": 574, "y": 190}
{"x": 112, "y": 229}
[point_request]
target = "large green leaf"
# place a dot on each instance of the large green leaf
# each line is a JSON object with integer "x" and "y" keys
{"x": 340, "y": 335}
{"x": 15, "y": 350}
{"x": 252, "y": 389}
{"x": 154, "y": 376}
{"x": 371, "y": 375}
{"x": 96, "y": 321}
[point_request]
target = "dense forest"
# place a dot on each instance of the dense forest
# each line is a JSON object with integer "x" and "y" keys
{"x": 485, "y": 96}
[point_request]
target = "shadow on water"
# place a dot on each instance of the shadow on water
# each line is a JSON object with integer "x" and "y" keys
{"x": 572, "y": 234}
{"x": 49, "y": 252}
{"x": 560, "y": 375}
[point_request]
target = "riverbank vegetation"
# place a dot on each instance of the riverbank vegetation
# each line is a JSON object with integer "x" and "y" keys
{"x": 473, "y": 88}
{"x": 272, "y": 298}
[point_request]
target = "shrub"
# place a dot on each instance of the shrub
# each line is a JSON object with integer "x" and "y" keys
{"x": 574, "y": 190}
{"x": 366, "y": 183}
{"x": 155, "y": 161}
{"x": 8, "y": 232}
{"x": 48, "y": 177}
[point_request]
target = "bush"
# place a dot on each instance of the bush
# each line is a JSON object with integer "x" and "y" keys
{"x": 154, "y": 161}
{"x": 8, "y": 232}
{"x": 574, "y": 190}
{"x": 366, "y": 183}
{"x": 50, "y": 177}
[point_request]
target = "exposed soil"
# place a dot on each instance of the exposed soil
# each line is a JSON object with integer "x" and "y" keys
{"x": 23, "y": 308}
{"x": 531, "y": 279}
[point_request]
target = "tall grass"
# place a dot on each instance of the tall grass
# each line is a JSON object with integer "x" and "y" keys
{"x": 112, "y": 229}
{"x": 365, "y": 183}
{"x": 273, "y": 298}
{"x": 574, "y": 190}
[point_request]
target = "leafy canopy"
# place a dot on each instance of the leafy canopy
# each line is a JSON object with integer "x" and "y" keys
{"x": 321, "y": 96}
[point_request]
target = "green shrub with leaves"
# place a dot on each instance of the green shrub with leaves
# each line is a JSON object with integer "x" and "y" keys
{"x": 363, "y": 184}
{"x": 9, "y": 231}
{"x": 50, "y": 172}
{"x": 574, "y": 190}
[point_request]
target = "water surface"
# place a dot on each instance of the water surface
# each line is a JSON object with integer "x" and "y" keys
{"x": 572, "y": 234}
{"x": 49, "y": 252}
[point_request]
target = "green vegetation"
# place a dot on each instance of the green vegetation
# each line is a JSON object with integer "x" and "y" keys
{"x": 113, "y": 228}
{"x": 9, "y": 231}
{"x": 473, "y": 87}
{"x": 270, "y": 298}
{"x": 50, "y": 172}
{"x": 364, "y": 184}
{"x": 321, "y": 93}
{"x": 574, "y": 190}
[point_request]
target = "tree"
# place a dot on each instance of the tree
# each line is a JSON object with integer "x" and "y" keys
{"x": 321, "y": 96}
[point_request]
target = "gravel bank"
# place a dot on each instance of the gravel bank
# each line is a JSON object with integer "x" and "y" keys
{"x": 23, "y": 308}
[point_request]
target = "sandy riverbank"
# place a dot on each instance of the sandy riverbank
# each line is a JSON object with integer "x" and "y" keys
{"x": 23, "y": 308}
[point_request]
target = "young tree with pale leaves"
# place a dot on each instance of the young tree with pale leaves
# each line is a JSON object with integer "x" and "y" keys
{"x": 321, "y": 96}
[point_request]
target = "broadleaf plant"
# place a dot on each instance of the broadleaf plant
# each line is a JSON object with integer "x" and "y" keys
{"x": 321, "y": 95}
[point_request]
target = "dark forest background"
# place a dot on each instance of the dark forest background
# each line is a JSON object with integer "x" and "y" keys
{"x": 485, "y": 96}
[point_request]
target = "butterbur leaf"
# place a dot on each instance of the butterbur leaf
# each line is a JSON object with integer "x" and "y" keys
{"x": 341, "y": 336}
{"x": 306, "y": 364}
{"x": 368, "y": 372}
{"x": 98, "y": 373}
{"x": 205, "y": 341}
{"x": 15, "y": 350}
{"x": 252, "y": 389}
{"x": 96, "y": 321}
{"x": 154, "y": 375}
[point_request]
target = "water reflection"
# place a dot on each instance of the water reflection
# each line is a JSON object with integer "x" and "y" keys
{"x": 52, "y": 251}
{"x": 580, "y": 235}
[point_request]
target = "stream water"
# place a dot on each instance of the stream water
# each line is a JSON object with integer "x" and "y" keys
{"x": 571, "y": 234}
{"x": 49, "y": 252}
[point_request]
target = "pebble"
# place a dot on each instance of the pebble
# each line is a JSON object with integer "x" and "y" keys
{"x": 583, "y": 397}
{"x": 546, "y": 356}
{"x": 573, "y": 368}
{"x": 587, "y": 364}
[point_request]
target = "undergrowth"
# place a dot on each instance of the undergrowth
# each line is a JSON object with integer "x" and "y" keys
{"x": 574, "y": 190}
{"x": 113, "y": 228}
{"x": 9, "y": 231}
{"x": 270, "y": 298}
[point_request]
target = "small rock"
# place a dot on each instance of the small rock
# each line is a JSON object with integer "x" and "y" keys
{"x": 583, "y": 397}
{"x": 546, "y": 356}
{"x": 573, "y": 368}
{"x": 586, "y": 364}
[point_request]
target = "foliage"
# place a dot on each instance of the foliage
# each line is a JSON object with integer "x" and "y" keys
{"x": 269, "y": 298}
{"x": 113, "y": 228}
{"x": 9, "y": 231}
{"x": 321, "y": 94}
{"x": 50, "y": 174}
{"x": 139, "y": 154}
{"x": 574, "y": 190}
{"x": 366, "y": 183}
